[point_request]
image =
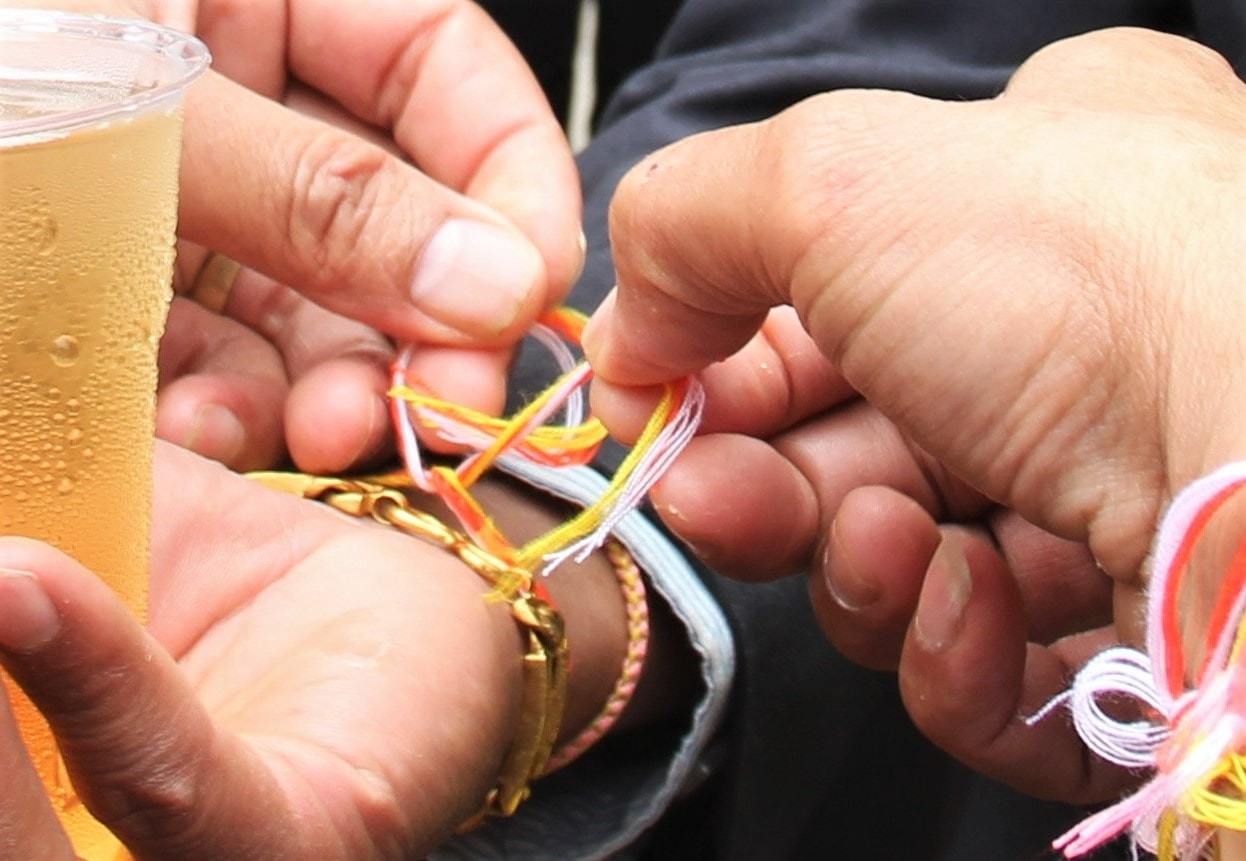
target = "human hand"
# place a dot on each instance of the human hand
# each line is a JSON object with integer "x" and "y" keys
{"x": 431, "y": 198}
{"x": 1002, "y": 280}
{"x": 448, "y": 93}
{"x": 312, "y": 686}
{"x": 867, "y": 513}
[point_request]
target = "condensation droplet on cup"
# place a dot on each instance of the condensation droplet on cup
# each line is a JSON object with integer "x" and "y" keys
{"x": 73, "y": 435}
{"x": 65, "y": 485}
{"x": 54, "y": 394}
{"x": 47, "y": 235}
{"x": 64, "y": 350}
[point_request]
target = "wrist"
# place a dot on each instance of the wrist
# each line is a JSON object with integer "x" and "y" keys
{"x": 586, "y": 594}
{"x": 590, "y": 598}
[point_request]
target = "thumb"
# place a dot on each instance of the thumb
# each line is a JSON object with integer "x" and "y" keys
{"x": 350, "y": 225}
{"x": 712, "y": 231}
{"x": 877, "y": 215}
{"x": 143, "y": 754}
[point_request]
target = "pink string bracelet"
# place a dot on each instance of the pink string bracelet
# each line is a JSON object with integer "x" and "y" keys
{"x": 632, "y": 584}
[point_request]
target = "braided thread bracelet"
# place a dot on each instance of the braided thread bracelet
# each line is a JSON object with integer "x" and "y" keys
{"x": 632, "y": 584}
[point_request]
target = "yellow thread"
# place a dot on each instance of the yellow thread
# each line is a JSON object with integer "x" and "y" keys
{"x": 550, "y": 444}
{"x": 1166, "y": 850}
{"x": 1217, "y": 801}
{"x": 531, "y": 554}
{"x": 552, "y": 439}
{"x": 585, "y": 435}
{"x": 503, "y": 439}
{"x": 1238, "y": 642}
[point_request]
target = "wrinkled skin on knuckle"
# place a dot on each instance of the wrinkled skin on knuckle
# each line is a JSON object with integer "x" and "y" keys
{"x": 161, "y": 806}
{"x": 837, "y": 209}
{"x": 337, "y": 196}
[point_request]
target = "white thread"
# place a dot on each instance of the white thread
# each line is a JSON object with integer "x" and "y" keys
{"x": 1112, "y": 674}
{"x": 461, "y": 434}
{"x": 1208, "y": 728}
{"x": 667, "y": 446}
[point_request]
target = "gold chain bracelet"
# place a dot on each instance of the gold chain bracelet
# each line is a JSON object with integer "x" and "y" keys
{"x": 545, "y": 663}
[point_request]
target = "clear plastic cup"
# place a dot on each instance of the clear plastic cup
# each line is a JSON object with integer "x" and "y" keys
{"x": 90, "y": 140}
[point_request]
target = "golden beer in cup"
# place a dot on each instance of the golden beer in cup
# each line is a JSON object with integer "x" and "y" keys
{"x": 90, "y": 139}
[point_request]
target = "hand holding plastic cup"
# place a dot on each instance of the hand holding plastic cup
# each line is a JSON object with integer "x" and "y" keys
{"x": 90, "y": 140}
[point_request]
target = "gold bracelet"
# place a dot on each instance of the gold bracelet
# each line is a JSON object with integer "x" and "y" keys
{"x": 545, "y": 663}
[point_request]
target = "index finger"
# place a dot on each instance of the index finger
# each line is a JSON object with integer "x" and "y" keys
{"x": 350, "y": 225}
{"x": 461, "y": 101}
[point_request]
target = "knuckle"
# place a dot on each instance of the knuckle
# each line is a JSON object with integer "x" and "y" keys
{"x": 832, "y": 149}
{"x": 1117, "y": 56}
{"x": 828, "y": 154}
{"x": 835, "y": 176}
{"x": 162, "y": 807}
{"x": 338, "y": 192}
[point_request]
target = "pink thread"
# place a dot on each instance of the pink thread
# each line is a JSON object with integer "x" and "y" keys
{"x": 1192, "y": 730}
{"x": 632, "y": 584}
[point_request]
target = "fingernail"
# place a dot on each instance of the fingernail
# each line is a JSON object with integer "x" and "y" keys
{"x": 944, "y": 596}
{"x": 27, "y": 618}
{"x": 475, "y": 277}
{"x": 843, "y": 579}
{"x": 590, "y": 338}
{"x": 217, "y": 433}
{"x": 582, "y": 241}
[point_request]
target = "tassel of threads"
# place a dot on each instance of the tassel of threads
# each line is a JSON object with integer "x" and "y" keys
{"x": 1191, "y": 736}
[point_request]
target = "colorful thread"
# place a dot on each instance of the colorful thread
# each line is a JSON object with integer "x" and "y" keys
{"x": 530, "y": 436}
{"x": 1192, "y": 736}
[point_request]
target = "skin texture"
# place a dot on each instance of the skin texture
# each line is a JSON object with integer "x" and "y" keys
{"x": 312, "y": 686}
{"x": 256, "y": 731}
{"x": 315, "y": 686}
{"x": 403, "y": 120}
{"x": 1036, "y": 298}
